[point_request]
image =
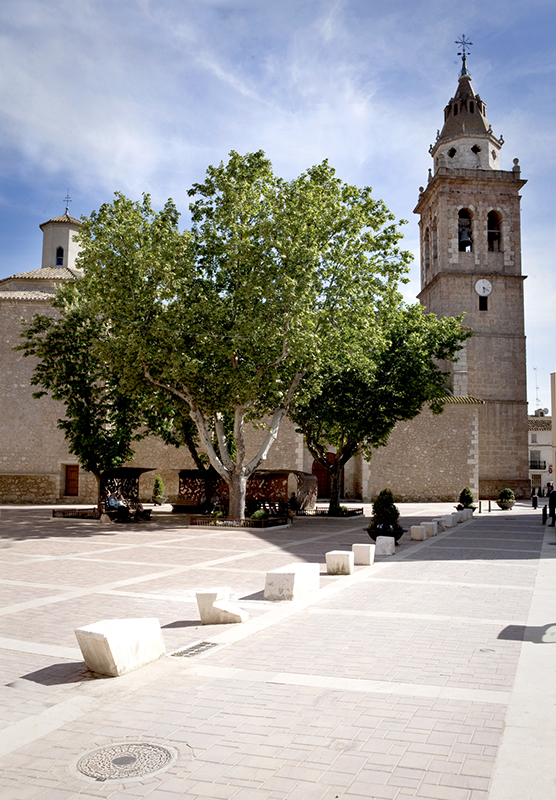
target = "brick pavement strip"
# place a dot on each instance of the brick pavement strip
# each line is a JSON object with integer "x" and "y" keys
{"x": 390, "y": 683}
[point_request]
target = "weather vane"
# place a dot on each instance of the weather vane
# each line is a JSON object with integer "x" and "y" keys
{"x": 67, "y": 200}
{"x": 465, "y": 44}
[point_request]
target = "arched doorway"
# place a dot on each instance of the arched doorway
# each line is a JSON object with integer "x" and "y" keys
{"x": 323, "y": 477}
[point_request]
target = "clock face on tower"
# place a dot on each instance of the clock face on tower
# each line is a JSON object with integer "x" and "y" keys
{"x": 483, "y": 287}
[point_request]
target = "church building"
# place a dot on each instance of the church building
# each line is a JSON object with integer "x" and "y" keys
{"x": 469, "y": 218}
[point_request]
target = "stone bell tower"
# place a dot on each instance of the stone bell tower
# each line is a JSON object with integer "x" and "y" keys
{"x": 471, "y": 262}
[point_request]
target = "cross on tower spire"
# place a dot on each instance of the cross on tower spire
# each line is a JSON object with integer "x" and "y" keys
{"x": 67, "y": 200}
{"x": 465, "y": 44}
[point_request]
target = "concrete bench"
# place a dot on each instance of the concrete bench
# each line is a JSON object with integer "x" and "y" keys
{"x": 431, "y": 528}
{"x": 418, "y": 533}
{"x": 363, "y": 554}
{"x": 116, "y": 646}
{"x": 339, "y": 562}
{"x": 215, "y": 608}
{"x": 448, "y": 521}
{"x": 291, "y": 581}
{"x": 385, "y": 545}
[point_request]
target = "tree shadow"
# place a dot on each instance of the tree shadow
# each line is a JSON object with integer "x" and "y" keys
{"x": 540, "y": 634}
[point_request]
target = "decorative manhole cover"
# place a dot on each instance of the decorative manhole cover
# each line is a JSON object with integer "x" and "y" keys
{"x": 194, "y": 649}
{"x": 124, "y": 761}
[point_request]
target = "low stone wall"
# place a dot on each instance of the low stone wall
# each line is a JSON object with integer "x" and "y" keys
{"x": 490, "y": 489}
{"x": 43, "y": 489}
{"x": 28, "y": 489}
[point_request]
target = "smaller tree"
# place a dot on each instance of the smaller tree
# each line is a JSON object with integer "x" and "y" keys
{"x": 100, "y": 420}
{"x": 466, "y": 499}
{"x": 353, "y": 403}
{"x": 384, "y": 519}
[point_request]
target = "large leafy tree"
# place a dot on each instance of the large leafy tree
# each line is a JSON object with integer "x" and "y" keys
{"x": 275, "y": 278}
{"x": 101, "y": 420}
{"x": 354, "y": 406}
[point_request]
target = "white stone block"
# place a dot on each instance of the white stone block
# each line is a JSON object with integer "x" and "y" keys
{"x": 468, "y": 512}
{"x": 385, "y": 545}
{"x": 460, "y": 516}
{"x": 215, "y": 608}
{"x": 455, "y": 518}
{"x": 448, "y": 521}
{"x": 431, "y": 528}
{"x": 418, "y": 533}
{"x": 116, "y": 646}
{"x": 363, "y": 554}
{"x": 339, "y": 562}
{"x": 291, "y": 581}
{"x": 439, "y": 524}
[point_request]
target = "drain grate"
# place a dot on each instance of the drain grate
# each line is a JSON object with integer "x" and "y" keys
{"x": 124, "y": 761}
{"x": 194, "y": 649}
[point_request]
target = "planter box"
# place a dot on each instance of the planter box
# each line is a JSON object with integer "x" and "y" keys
{"x": 216, "y": 522}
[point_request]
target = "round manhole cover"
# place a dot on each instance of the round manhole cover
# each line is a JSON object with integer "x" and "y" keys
{"x": 124, "y": 761}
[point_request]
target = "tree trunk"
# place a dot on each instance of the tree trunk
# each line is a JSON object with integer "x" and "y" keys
{"x": 335, "y": 484}
{"x": 238, "y": 489}
{"x": 99, "y": 498}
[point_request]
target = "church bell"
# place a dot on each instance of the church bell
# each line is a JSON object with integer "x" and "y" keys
{"x": 464, "y": 238}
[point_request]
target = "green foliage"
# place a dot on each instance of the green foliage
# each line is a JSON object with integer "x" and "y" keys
{"x": 274, "y": 280}
{"x": 100, "y": 420}
{"x": 466, "y": 498}
{"x": 353, "y": 404}
{"x": 384, "y": 510}
{"x": 158, "y": 488}
{"x": 506, "y": 495}
{"x": 260, "y": 513}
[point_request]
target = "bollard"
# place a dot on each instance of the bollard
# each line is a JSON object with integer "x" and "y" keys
{"x": 480, "y": 507}
{"x": 535, "y": 501}
{"x": 489, "y": 508}
{"x": 544, "y": 515}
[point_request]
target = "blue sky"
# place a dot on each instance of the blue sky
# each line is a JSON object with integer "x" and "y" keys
{"x": 141, "y": 95}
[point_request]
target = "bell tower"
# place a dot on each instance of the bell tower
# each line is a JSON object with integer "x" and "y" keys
{"x": 470, "y": 238}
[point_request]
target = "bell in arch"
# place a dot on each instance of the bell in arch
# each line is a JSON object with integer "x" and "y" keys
{"x": 464, "y": 239}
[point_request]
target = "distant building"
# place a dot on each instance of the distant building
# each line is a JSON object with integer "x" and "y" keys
{"x": 540, "y": 451}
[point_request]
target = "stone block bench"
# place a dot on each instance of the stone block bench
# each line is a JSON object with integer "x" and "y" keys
{"x": 116, "y": 646}
{"x": 418, "y": 533}
{"x": 215, "y": 608}
{"x": 291, "y": 581}
{"x": 363, "y": 554}
{"x": 339, "y": 562}
{"x": 385, "y": 545}
{"x": 431, "y": 528}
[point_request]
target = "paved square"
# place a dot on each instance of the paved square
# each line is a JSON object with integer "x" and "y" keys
{"x": 422, "y": 676}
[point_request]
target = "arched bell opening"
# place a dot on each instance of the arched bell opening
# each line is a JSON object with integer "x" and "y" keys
{"x": 465, "y": 238}
{"x": 494, "y": 232}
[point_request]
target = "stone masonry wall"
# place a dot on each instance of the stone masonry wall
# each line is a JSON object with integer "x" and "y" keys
{"x": 430, "y": 458}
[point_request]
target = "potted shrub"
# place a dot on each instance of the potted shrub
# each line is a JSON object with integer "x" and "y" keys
{"x": 158, "y": 491}
{"x": 384, "y": 519}
{"x": 506, "y": 499}
{"x": 466, "y": 499}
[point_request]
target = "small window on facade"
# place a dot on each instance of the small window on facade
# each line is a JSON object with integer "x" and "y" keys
{"x": 472, "y": 106}
{"x": 533, "y": 438}
{"x": 59, "y": 256}
{"x": 493, "y": 155}
{"x": 483, "y": 303}
{"x": 476, "y": 149}
{"x": 494, "y": 233}
{"x": 452, "y": 151}
{"x": 455, "y": 110}
{"x": 465, "y": 238}
{"x": 72, "y": 480}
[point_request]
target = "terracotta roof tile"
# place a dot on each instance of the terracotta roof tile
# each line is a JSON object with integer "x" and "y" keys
{"x": 30, "y": 295}
{"x": 539, "y": 423}
{"x": 471, "y": 401}
{"x": 64, "y": 218}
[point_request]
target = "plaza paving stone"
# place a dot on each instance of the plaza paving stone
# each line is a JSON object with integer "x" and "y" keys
{"x": 399, "y": 681}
